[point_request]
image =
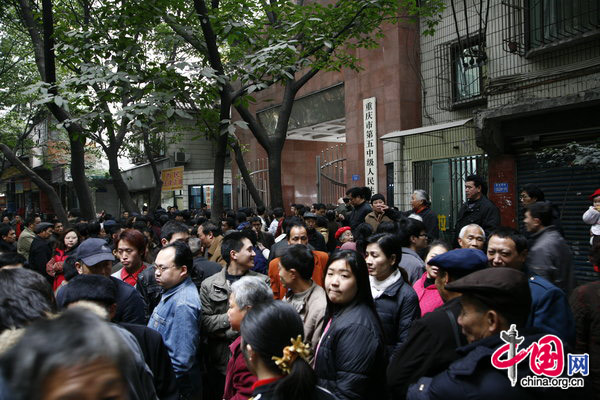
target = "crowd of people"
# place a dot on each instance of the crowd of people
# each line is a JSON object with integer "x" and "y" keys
{"x": 357, "y": 300}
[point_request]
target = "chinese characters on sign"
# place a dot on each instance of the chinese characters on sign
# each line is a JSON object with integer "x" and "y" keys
{"x": 172, "y": 178}
{"x": 370, "y": 142}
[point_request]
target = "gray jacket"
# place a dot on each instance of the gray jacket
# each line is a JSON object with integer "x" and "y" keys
{"x": 214, "y": 295}
{"x": 24, "y": 242}
{"x": 550, "y": 257}
{"x": 413, "y": 264}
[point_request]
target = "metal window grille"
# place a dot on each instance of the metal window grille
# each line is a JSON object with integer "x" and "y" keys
{"x": 461, "y": 72}
{"x": 551, "y": 21}
{"x": 513, "y": 38}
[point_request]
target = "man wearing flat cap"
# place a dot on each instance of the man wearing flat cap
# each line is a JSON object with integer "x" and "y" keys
{"x": 94, "y": 257}
{"x": 40, "y": 251}
{"x": 492, "y": 300}
{"x": 432, "y": 340}
{"x": 315, "y": 239}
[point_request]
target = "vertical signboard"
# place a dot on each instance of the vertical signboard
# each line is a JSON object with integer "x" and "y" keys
{"x": 370, "y": 141}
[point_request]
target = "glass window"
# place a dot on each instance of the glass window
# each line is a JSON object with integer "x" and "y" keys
{"x": 325, "y": 105}
{"x": 199, "y": 194}
{"x": 468, "y": 69}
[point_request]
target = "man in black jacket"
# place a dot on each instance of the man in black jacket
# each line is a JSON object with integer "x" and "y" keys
{"x": 8, "y": 237}
{"x": 478, "y": 209}
{"x": 41, "y": 249}
{"x": 432, "y": 340}
{"x": 421, "y": 205}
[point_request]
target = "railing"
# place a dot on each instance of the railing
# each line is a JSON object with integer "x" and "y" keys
{"x": 259, "y": 173}
{"x": 331, "y": 174}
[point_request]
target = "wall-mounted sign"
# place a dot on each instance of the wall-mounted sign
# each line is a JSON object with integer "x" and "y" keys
{"x": 500, "y": 187}
{"x": 370, "y": 142}
{"x": 355, "y": 177}
{"x": 172, "y": 178}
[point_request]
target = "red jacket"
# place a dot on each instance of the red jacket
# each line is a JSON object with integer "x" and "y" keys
{"x": 238, "y": 380}
{"x": 429, "y": 297}
{"x": 54, "y": 267}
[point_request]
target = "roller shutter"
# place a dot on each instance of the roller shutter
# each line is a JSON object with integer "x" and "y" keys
{"x": 568, "y": 188}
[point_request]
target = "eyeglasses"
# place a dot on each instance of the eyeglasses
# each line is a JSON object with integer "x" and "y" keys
{"x": 162, "y": 268}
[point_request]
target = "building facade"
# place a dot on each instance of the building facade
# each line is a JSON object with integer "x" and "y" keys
{"x": 500, "y": 84}
{"x": 324, "y": 151}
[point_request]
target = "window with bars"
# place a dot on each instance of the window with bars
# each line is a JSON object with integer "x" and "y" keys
{"x": 468, "y": 69}
{"x": 461, "y": 73}
{"x": 551, "y": 21}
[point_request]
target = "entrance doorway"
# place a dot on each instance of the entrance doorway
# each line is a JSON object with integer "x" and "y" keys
{"x": 444, "y": 180}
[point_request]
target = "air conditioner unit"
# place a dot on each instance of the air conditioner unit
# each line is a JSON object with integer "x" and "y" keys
{"x": 181, "y": 157}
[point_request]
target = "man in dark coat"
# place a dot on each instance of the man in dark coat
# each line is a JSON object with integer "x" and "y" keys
{"x": 315, "y": 239}
{"x": 549, "y": 254}
{"x": 40, "y": 251}
{"x": 359, "y": 198}
{"x": 95, "y": 257}
{"x": 493, "y": 300}
{"x": 432, "y": 341}
{"x": 478, "y": 209}
{"x": 8, "y": 237}
{"x": 421, "y": 205}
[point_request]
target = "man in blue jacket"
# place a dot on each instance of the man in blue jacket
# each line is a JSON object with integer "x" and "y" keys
{"x": 550, "y": 310}
{"x": 177, "y": 317}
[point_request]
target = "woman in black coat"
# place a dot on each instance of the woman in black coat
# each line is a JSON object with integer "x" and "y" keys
{"x": 396, "y": 301}
{"x": 350, "y": 358}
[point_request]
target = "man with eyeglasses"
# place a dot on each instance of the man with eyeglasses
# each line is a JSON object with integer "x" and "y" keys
{"x": 413, "y": 234}
{"x": 93, "y": 256}
{"x": 471, "y": 236}
{"x": 177, "y": 317}
{"x": 150, "y": 290}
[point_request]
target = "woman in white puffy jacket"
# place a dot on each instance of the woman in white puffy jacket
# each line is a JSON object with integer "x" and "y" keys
{"x": 592, "y": 217}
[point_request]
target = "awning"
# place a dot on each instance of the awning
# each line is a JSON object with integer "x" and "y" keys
{"x": 425, "y": 129}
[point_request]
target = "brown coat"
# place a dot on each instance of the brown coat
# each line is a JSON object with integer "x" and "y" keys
{"x": 374, "y": 219}
{"x": 214, "y": 251}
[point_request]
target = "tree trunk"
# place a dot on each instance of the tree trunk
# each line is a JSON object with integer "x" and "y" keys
{"x": 216, "y": 209}
{"x": 47, "y": 69}
{"x": 157, "y": 192}
{"x": 82, "y": 189}
{"x": 54, "y": 198}
{"x": 275, "y": 177}
{"x": 119, "y": 184}
{"x": 239, "y": 159}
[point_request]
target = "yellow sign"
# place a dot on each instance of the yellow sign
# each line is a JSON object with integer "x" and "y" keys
{"x": 172, "y": 178}
{"x": 442, "y": 222}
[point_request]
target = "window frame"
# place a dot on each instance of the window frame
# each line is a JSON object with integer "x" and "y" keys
{"x": 481, "y": 98}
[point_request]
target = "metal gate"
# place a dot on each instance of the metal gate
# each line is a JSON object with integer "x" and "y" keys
{"x": 259, "y": 173}
{"x": 568, "y": 188}
{"x": 444, "y": 180}
{"x": 331, "y": 174}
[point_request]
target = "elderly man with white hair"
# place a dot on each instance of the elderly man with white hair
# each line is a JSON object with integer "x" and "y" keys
{"x": 471, "y": 236}
{"x": 421, "y": 206}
